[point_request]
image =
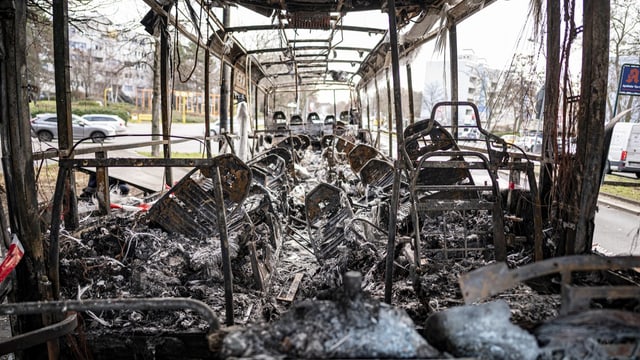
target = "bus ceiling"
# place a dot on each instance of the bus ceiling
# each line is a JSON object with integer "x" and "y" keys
{"x": 309, "y": 43}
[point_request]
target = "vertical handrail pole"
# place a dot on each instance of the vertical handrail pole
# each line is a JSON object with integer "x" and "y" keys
{"x": 224, "y": 246}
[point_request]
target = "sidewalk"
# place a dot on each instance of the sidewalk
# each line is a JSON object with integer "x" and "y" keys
{"x": 619, "y": 203}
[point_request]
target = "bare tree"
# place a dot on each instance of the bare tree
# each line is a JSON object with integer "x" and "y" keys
{"x": 517, "y": 94}
{"x": 485, "y": 82}
{"x": 432, "y": 93}
{"x": 39, "y": 50}
{"x": 106, "y": 54}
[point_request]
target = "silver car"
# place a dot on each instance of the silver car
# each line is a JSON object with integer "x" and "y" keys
{"x": 45, "y": 128}
{"x": 114, "y": 121}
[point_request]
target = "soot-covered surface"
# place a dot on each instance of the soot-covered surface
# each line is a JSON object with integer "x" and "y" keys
{"x": 122, "y": 255}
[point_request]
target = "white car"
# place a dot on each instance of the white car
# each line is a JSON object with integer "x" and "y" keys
{"x": 45, "y": 128}
{"x": 108, "y": 119}
{"x": 531, "y": 143}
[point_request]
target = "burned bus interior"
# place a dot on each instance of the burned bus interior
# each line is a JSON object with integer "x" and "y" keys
{"x": 325, "y": 237}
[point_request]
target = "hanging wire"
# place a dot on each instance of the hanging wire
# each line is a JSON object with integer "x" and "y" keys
{"x": 563, "y": 165}
{"x": 196, "y": 23}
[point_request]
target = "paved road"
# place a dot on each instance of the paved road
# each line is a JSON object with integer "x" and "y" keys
{"x": 616, "y": 227}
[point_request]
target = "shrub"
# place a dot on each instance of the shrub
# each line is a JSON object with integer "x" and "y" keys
{"x": 84, "y": 107}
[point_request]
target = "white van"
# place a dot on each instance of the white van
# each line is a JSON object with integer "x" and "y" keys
{"x": 624, "y": 151}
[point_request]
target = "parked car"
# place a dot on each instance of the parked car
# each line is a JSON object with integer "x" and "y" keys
{"x": 45, "y": 128}
{"x": 108, "y": 119}
{"x": 469, "y": 133}
{"x": 624, "y": 150}
{"x": 531, "y": 141}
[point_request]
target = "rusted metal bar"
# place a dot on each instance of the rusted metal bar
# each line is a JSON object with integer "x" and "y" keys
{"x": 207, "y": 100}
{"x": 232, "y": 79}
{"x": 224, "y": 245}
{"x": 467, "y": 204}
{"x": 54, "y": 153}
{"x": 389, "y": 106}
{"x": 395, "y": 70}
{"x": 453, "y": 71}
{"x": 62, "y": 77}
{"x": 39, "y": 336}
{"x": 368, "y": 107}
{"x": 393, "y": 216}
{"x": 256, "y": 266}
{"x": 455, "y": 163}
{"x": 54, "y": 235}
{"x": 102, "y": 186}
{"x": 225, "y": 79}
{"x": 377, "y": 141}
{"x": 412, "y": 116}
{"x": 141, "y": 304}
{"x": 164, "y": 96}
{"x": 137, "y": 162}
{"x": 63, "y": 102}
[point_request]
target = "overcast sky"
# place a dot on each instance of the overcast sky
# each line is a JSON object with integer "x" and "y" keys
{"x": 497, "y": 32}
{"x": 494, "y": 34}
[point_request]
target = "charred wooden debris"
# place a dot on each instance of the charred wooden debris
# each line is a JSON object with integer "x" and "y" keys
{"x": 290, "y": 250}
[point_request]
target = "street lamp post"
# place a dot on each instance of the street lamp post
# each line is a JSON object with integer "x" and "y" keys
{"x": 106, "y": 90}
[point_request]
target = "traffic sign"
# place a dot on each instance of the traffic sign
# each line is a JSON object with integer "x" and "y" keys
{"x": 629, "y": 80}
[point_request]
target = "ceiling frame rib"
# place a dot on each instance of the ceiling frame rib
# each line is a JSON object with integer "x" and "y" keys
{"x": 347, "y": 48}
{"x": 369, "y": 30}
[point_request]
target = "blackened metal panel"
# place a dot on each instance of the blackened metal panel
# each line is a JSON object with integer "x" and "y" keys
{"x": 190, "y": 208}
{"x": 327, "y": 210}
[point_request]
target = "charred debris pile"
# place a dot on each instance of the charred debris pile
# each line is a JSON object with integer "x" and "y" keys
{"x": 291, "y": 248}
